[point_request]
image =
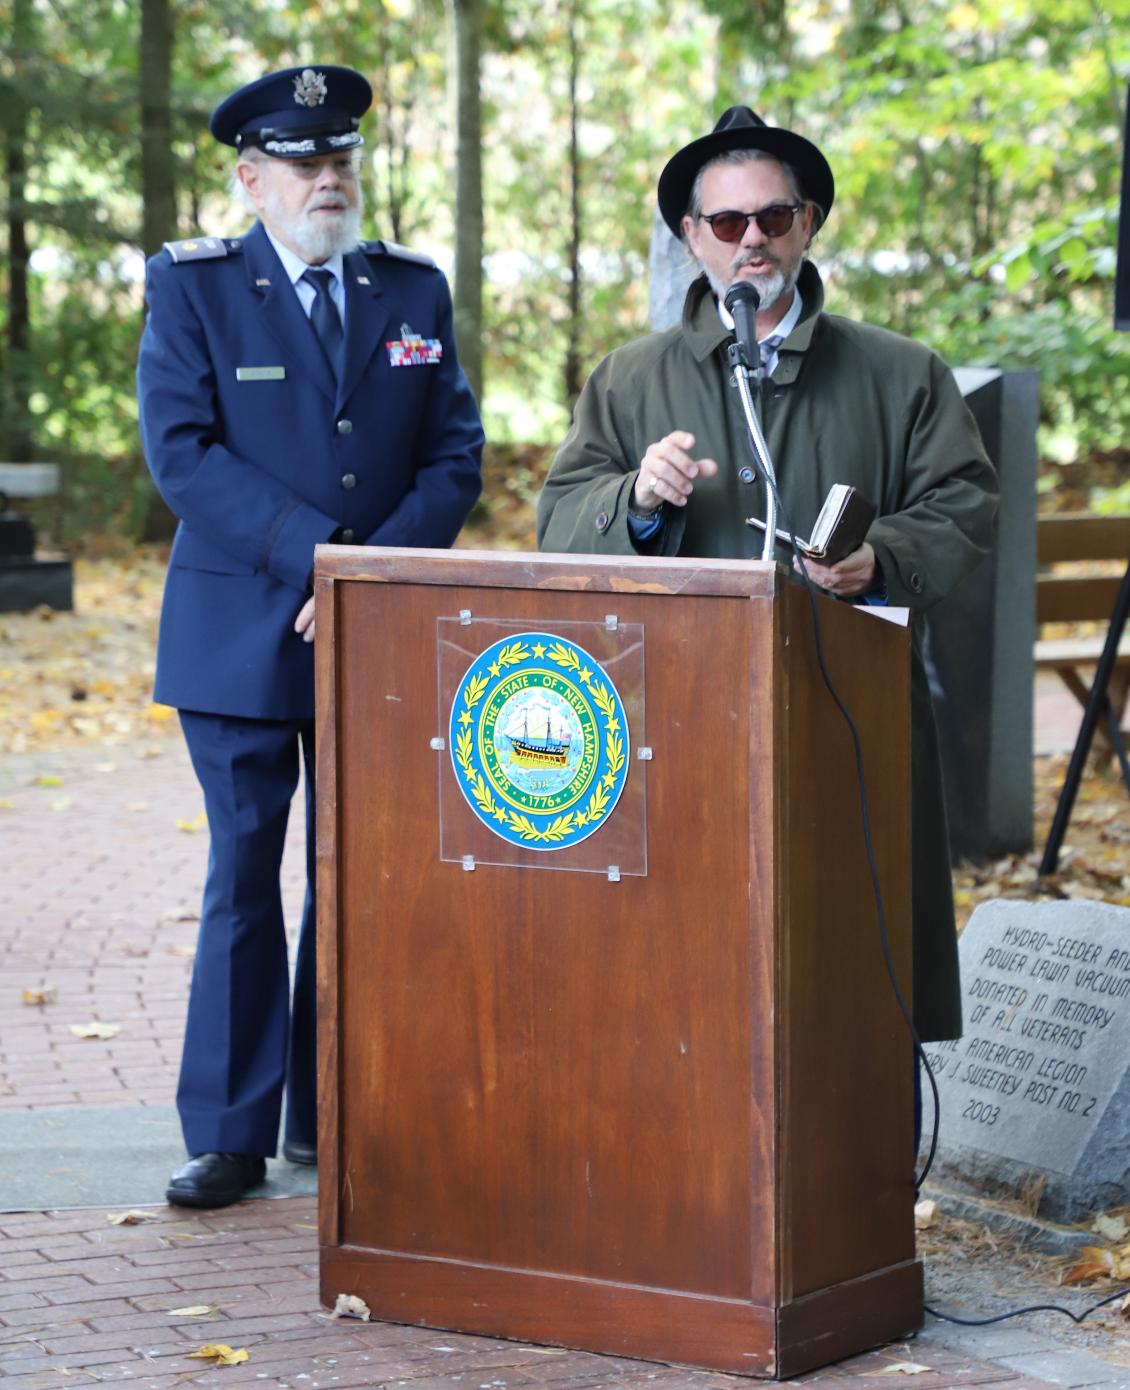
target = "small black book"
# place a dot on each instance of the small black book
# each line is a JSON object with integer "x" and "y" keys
{"x": 841, "y": 526}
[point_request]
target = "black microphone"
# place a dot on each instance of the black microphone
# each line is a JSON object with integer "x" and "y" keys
{"x": 742, "y": 300}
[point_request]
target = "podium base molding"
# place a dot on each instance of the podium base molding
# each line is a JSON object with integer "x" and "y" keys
{"x": 664, "y": 1325}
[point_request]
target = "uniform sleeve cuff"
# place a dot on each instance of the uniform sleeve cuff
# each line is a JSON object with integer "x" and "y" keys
{"x": 291, "y": 554}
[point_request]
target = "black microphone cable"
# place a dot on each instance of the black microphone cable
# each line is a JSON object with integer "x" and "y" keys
{"x": 744, "y": 299}
{"x": 884, "y": 937}
{"x": 1031, "y": 1308}
{"x": 865, "y": 817}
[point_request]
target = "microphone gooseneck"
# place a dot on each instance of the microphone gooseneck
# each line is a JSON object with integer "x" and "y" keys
{"x": 742, "y": 300}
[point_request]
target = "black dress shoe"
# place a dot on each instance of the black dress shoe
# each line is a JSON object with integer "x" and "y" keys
{"x": 295, "y": 1151}
{"x": 215, "y": 1180}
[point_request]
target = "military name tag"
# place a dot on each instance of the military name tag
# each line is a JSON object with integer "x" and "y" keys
{"x": 260, "y": 374}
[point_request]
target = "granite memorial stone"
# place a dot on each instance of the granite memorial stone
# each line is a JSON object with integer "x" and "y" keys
{"x": 1039, "y": 1085}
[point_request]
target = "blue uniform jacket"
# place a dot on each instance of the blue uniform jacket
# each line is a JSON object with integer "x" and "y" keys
{"x": 261, "y": 466}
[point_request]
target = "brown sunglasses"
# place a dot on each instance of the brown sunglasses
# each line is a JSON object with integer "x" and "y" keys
{"x": 775, "y": 220}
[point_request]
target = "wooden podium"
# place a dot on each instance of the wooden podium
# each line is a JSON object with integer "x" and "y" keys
{"x": 664, "y": 1112}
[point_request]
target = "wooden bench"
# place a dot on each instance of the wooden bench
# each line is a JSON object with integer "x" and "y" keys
{"x": 1081, "y": 597}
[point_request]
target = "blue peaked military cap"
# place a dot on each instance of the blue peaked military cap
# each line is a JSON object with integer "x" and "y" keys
{"x": 295, "y": 113}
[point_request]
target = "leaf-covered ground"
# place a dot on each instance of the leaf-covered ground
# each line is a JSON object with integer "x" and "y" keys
{"x": 86, "y": 676}
{"x": 1094, "y": 862}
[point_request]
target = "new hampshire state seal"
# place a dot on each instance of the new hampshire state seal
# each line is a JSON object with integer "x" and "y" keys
{"x": 539, "y": 740}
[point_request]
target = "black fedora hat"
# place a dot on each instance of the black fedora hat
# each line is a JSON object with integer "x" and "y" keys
{"x": 296, "y": 113}
{"x": 739, "y": 128}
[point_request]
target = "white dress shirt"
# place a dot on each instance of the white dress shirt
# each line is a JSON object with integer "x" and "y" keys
{"x": 296, "y": 267}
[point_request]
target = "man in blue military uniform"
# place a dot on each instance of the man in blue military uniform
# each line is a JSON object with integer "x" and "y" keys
{"x": 296, "y": 386}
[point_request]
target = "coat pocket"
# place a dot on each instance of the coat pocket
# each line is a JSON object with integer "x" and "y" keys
{"x": 192, "y": 552}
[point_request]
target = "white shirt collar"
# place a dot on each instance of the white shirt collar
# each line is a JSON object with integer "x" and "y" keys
{"x": 296, "y": 267}
{"x": 782, "y": 330}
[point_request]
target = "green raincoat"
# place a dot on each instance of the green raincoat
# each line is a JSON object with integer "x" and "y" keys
{"x": 847, "y": 403}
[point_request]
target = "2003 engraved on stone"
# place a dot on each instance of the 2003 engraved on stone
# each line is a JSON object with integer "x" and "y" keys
{"x": 539, "y": 740}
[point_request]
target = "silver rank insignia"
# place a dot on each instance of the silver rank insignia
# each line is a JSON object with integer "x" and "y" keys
{"x": 310, "y": 88}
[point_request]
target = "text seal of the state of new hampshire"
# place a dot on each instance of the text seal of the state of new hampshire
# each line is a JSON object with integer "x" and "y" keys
{"x": 539, "y": 741}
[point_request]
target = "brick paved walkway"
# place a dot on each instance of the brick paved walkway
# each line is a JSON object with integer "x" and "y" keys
{"x": 98, "y": 894}
{"x": 99, "y": 900}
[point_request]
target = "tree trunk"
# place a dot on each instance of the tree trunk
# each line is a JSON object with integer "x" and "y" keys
{"x": 469, "y": 191}
{"x": 573, "y": 382}
{"x": 17, "y": 378}
{"x": 158, "y": 184}
{"x": 158, "y": 188}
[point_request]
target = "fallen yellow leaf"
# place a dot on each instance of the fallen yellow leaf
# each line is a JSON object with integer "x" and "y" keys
{"x": 6, "y": 804}
{"x": 197, "y": 1310}
{"x": 49, "y": 779}
{"x": 348, "y": 1305}
{"x": 160, "y": 713}
{"x": 925, "y": 1215}
{"x": 193, "y": 825}
{"x": 93, "y": 1029}
{"x": 47, "y": 994}
{"x": 181, "y": 913}
{"x": 130, "y": 1218}
{"x": 1094, "y": 1263}
{"x": 221, "y": 1354}
{"x": 1110, "y": 1227}
{"x": 904, "y": 1368}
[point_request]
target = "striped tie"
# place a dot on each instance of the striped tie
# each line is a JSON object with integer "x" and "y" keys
{"x": 768, "y": 347}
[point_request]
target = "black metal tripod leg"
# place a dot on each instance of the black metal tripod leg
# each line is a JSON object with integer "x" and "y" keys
{"x": 1095, "y": 701}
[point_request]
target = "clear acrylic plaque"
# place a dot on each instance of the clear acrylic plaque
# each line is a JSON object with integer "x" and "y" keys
{"x": 541, "y": 744}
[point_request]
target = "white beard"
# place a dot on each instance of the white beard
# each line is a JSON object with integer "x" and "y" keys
{"x": 315, "y": 236}
{"x": 773, "y": 286}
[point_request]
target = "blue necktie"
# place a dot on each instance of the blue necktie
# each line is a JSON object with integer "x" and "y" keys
{"x": 767, "y": 347}
{"x": 324, "y": 315}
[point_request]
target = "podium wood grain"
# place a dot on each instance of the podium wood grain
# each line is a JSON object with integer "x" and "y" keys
{"x": 667, "y": 1117}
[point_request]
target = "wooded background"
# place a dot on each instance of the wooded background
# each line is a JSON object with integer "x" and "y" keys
{"x": 977, "y": 153}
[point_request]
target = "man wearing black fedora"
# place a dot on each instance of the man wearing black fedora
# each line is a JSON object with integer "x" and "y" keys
{"x": 657, "y": 458}
{"x": 296, "y": 385}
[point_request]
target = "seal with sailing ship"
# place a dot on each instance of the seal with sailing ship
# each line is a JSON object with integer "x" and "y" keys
{"x": 551, "y": 750}
{"x": 539, "y": 740}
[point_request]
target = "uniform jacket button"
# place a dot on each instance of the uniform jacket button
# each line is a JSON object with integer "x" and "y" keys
{"x": 347, "y": 536}
{"x": 345, "y": 427}
{"x": 349, "y": 480}
{"x": 916, "y": 582}
{"x": 601, "y": 522}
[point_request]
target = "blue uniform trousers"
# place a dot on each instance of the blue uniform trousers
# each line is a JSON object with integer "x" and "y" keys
{"x": 244, "y": 1038}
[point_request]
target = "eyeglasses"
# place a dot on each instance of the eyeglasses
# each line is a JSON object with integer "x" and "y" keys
{"x": 775, "y": 220}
